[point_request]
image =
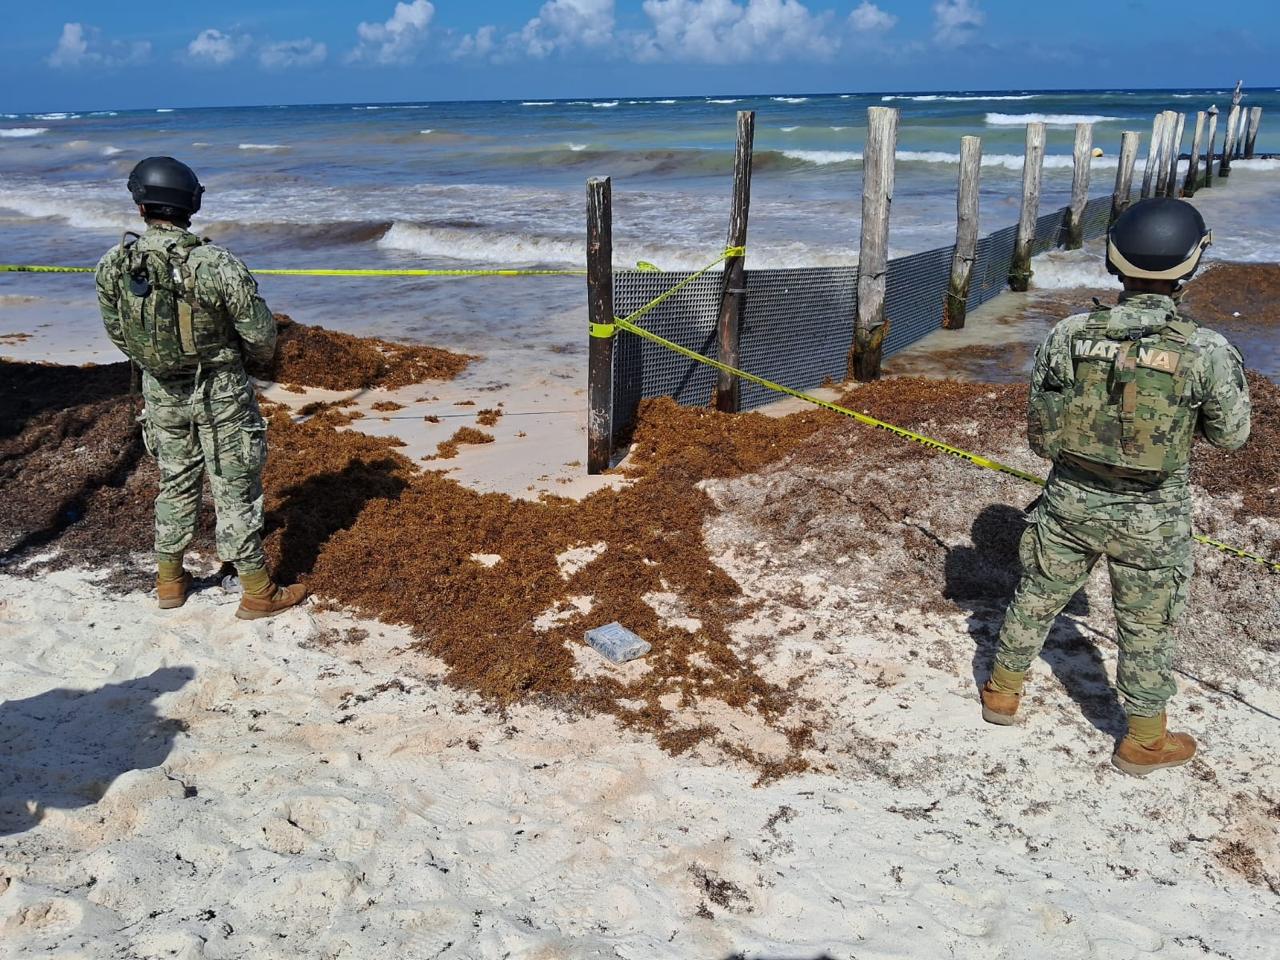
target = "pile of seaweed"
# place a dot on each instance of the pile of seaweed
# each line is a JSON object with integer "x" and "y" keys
{"x": 310, "y": 356}
{"x": 371, "y": 531}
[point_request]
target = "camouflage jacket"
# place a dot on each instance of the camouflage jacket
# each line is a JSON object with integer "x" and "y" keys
{"x": 1208, "y": 395}
{"x": 174, "y": 304}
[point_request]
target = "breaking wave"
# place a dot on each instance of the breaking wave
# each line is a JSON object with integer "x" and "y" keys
{"x": 19, "y": 132}
{"x": 732, "y": 100}
{"x": 263, "y": 146}
{"x": 1050, "y": 119}
{"x": 790, "y": 99}
{"x": 938, "y": 97}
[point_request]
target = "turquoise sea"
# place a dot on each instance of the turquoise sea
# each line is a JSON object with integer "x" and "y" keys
{"x": 484, "y": 183}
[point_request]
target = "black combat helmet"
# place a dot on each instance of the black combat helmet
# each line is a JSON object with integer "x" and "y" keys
{"x": 1157, "y": 239}
{"x": 165, "y": 182}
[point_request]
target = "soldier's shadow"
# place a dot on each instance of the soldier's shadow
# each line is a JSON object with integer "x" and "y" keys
{"x": 64, "y": 748}
{"x": 982, "y": 579}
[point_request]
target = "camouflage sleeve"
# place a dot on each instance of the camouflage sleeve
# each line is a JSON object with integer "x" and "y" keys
{"x": 253, "y": 320}
{"x": 1225, "y": 413}
{"x": 108, "y": 283}
{"x": 1050, "y": 375}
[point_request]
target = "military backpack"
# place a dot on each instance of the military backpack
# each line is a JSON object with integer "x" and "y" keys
{"x": 167, "y": 330}
{"x": 1129, "y": 404}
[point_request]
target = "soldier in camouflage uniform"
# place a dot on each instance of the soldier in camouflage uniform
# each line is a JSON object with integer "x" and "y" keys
{"x": 1117, "y": 396}
{"x": 189, "y": 315}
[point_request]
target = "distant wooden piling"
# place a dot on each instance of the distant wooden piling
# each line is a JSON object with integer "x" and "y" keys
{"x": 873, "y": 257}
{"x": 955, "y": 307}
{"x": 1129, "y": 142}
{"x": 1082, "y": 163}
{"x": 1192, "y": 181}
{"x": 1213, "y": 136}
{"x": 1175, "y": 153}
{"x": 1229, "y": 144}
{"x": 1153, "y": 155}
{"x": 600, "y": 316}
{"x": 1255, "y": 121}
{"x": 1032, "y": 169}
{"x": 735, "y": 273}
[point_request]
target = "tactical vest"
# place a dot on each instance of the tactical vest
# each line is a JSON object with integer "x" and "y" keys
{"x": 167, "y": 330}
{"x": 1129, "y": 405}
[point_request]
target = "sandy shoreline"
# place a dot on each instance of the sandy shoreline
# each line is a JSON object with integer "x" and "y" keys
{"x": 799, "y": 769}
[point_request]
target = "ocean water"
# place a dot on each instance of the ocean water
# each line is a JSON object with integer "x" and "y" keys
{"x": 488, "y": 183}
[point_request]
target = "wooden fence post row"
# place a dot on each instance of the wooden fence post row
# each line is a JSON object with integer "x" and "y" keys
{"x": 871, "y": 327}
{"x": 600, "y": 315}
{"x": 1229, "y": 143}
{"x": 1032, "y": 169}
{"x": 733, "y": 292}
{"x": 956, "y": 305}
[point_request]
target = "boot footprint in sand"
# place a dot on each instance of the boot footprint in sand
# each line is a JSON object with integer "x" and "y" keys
{"x": 263, "y": 598}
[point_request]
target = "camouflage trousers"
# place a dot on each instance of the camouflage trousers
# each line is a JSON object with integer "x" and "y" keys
{"x": 1150, "y": 566}
{"x": 214, "y": 426}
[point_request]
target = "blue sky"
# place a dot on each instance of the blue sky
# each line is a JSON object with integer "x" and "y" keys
{"x": 111, "y": 53}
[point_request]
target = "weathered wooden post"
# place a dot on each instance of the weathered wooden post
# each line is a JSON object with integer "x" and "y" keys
{"x": 1032, "y": 168}
{"x": 1153, "y": 153}
{"x": 1255, "y": 121}
{"x": 1124, "y": 173}
{"x": 735, "y": 273}
{"x": 1229, "y": 144}
{"x": 873, "y": 257}
{"x": 1168, "y": 126}
{"x": 1175, "y": 152}
{"x": 1213, "y": 136}
{"x": 1236, "y": 97}
{"x": 955, "y": 306}
{"x": 1082, "y": 160}
{"x": 1192, "y": 181}
{"x": 600, "y": 316}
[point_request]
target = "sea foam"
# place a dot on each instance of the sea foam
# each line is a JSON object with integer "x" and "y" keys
{"x": 18, "y": 132}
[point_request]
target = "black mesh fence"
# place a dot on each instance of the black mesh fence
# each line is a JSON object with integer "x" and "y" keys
{"x": 797, "y": 324}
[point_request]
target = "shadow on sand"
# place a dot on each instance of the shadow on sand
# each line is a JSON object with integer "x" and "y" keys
{"x": 982, "y": 579}
{"x": 64, "y": 748}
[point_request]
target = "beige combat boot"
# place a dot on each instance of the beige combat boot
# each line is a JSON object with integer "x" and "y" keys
{"x": 263, "y": 598}
{"x": 173, "y": 584}
{"x": 1150, "y": 746}
{"x": 1001, "y": 696}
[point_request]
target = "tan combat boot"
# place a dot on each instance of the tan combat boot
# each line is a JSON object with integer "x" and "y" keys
{"x": 1150, "y": 746}
{"x": 173, "y": 583}
{"x": 1001, "y": 696}
{"x": 262, "y": 598}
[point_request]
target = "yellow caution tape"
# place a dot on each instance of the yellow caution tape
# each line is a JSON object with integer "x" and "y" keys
{"x": 603, "y": 331}
{"x": 628, "y": 324}
{"x": 501, "y": 272}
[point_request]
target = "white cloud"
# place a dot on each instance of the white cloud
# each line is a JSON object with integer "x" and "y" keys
{"x": 722, "y": 31}
{"x": 395, "y": 40}
{"x": 215, "y": 47}
{"x": 868, "y": 18}
{"x": 288, "y": 54}
{"x": 955, "y": 21}
{"x": 562, "y": 24}
{"x": 81, "y": 46}
{"x": 478, "y": 44}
